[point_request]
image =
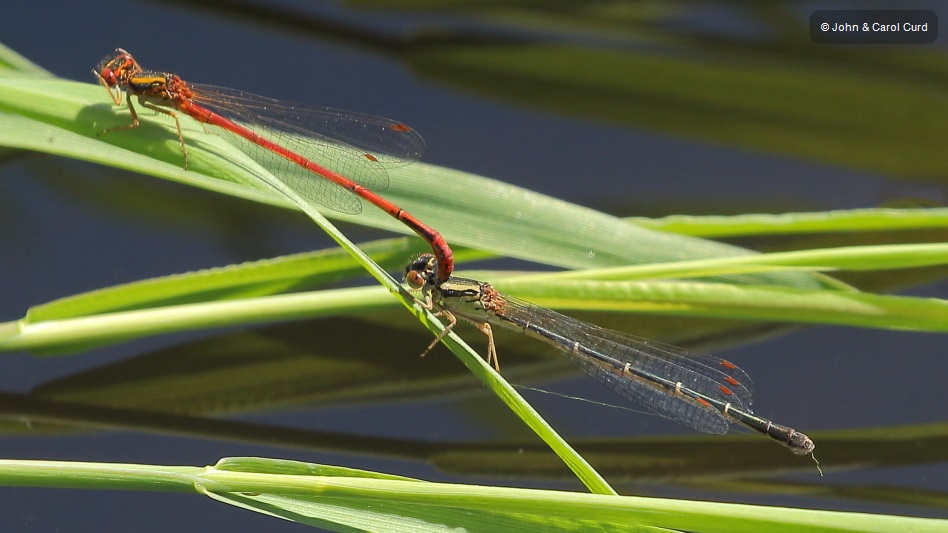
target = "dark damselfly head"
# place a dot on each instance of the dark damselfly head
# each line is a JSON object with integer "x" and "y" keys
{"x": 422, "y": 273}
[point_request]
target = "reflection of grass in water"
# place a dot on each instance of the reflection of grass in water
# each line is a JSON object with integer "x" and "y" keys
{"x": 823, "y": 111}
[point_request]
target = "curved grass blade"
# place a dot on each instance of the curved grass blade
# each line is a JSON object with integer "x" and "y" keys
{"x": 342, "y": 499}
{"x": 63, "y": 118}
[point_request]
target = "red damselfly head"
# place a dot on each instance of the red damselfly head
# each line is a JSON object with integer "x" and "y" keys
{"x": 117, "y": 68}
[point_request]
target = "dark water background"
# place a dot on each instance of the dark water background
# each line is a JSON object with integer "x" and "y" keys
{"x": 69, "y": 227}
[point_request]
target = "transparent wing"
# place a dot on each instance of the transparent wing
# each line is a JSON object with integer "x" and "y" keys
{"x": 705, "y": 374}
{"x": 356, "y": 146}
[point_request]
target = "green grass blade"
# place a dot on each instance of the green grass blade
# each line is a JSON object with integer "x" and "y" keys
{"x": 880, "y": 219}
{"x": 675, "y": 298}
{"x": 560, "y": 290}
{"x": 63, "y": 118}
{"x": 276, "y": 275}
{"x": 853, "y": 258}
{"x": 342, "y": 499}
{"x": 246, "y": 280}
{"x": 779, "y": 304}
